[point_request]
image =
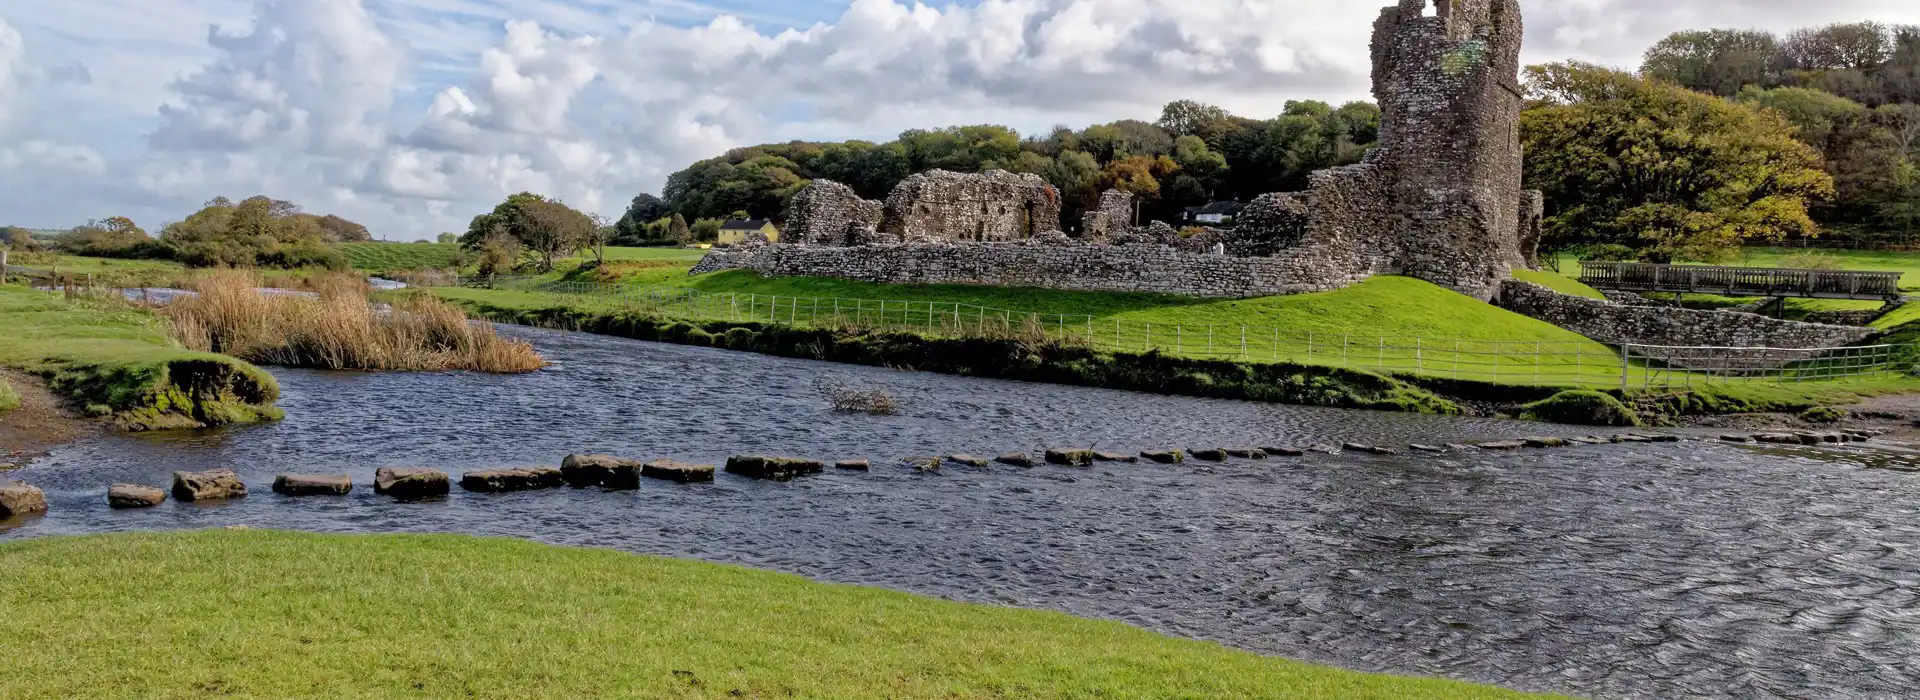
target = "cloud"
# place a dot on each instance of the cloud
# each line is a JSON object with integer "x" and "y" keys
{"x": 412, "y": 115}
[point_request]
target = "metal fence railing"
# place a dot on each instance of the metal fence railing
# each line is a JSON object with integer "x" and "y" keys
{"x": 1588, "y": 363}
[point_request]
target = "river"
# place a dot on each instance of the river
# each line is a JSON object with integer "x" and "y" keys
{"x": 1621, "y": 571}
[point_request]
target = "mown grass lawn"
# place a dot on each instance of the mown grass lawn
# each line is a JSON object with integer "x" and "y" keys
{"x": 257, "y": 614}
{"x": 1905, "y": 262}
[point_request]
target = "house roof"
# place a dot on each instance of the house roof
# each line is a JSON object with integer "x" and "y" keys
{"x": 1217, "y": 208}
{"x": 744, "y": 224}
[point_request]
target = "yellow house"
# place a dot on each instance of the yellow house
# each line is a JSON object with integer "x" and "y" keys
{"x": 736, "y": 231}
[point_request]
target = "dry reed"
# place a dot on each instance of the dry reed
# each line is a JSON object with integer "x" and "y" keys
{"x": 339, "y": 329}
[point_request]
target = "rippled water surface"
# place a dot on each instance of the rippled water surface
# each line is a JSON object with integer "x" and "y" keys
{"x": 1626, "y": 571}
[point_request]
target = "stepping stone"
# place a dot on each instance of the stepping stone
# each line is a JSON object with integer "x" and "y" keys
{"x": 409, "y": 484}
{"x": 1809, "y": 438}
{"x": 1017, "y": 459}
{"x": 1633, "y": 438}
{"x": 17, "y": 499}
{"x": 1501, "y": 445}
{"x": 134, "y": 496}
{"x": 1070, "y": 458}
{"x": 1777, "y": 439}
{"x": 582, "y": 471}
{"x": 1368, "y": 449}
{"x": 1457, "y": 447}
{"x": 853, "y": 465}
{"x": 1246, "y": 453}
{"x": 1114, "y": 457}
{"x": 1430, "y": 449}
{"x": 680, "y": 472}
{"x": 1209, "y": 455}
{"x": 1590, "y": 441}
{"x": 969, "y": 460}
{"x": 506, "y": 480}
{"x": 758, "y": 467}
{"x": 1736, "y": 438}
{"x": 212, "y": 485}
{"x": 313, "y": 484}
{"x": 1284, "y": 451}
{"x": 1862, "y": 435}
{"x": 1666, "y": 438}
{"x": 1165, "y": 456}
{"x": 1325, "y": 448}
{"x": 1540, "y": 443}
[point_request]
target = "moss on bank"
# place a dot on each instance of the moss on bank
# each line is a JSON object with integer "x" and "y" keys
{"x": 1581, "y": 407}
{"x": 116, "y": 362}
{"x": 1006, "y": 358}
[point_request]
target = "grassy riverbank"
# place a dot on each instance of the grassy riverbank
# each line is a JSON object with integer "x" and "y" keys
{"x": 117, "y": 362}
{"x": 272, "y": 615}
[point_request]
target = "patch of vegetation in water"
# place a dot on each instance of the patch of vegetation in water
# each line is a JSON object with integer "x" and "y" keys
{"x": 1581, "y": 407}
{"x": 116, "y": 362}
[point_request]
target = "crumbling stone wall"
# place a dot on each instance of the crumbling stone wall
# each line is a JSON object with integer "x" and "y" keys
{"x": 997, "y": 205}
{"x": 1113, "y": 216}
{"x": 1613, "y": 322}
{"x": 831, "y": 214}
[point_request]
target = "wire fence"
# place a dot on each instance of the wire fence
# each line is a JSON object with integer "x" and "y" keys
{"x": 1559, "y": 363}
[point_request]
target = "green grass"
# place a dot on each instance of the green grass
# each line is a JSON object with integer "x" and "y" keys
{"x": 1559, "y": 283}
{"x": 390, "y": 257}
{"x": 1905, "y": 262}
{"x": 9, "y": 399}
{"x": 256, "y": 614}
{"x": 116, "y": 360}
{"x": 105, "y": 271}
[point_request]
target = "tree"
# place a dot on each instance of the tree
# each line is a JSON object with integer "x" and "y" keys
{"x": 338, "y": 230}
{"x": 114, "y": 237}
{"x": 645, "y": 209}
{"x": 705, "y": 229}
{"x": 543, "y": 229}
{"x": 16, "y": 238}
{"x": 1718, "y": 61}
{"x": 257, "y": 232}
{"x": 1672, "y": 173}
{"x": 678, "y": 230}
{"x": 1190, "y": 118}
{"x": 448, "y": 237}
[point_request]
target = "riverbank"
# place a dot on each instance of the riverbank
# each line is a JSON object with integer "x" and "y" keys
{"x": 113, "y": 362}
{"x": 273, "y": 614}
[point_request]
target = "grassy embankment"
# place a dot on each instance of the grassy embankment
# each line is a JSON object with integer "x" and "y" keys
{"x": 116, "y": 361}
{"x": 272, "y": 615}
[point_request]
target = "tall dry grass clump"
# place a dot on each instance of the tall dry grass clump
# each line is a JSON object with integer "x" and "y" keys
{"x": 340, "y": 330}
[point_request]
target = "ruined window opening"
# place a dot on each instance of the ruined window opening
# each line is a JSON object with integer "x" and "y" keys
{"x": 1432, "y": 9}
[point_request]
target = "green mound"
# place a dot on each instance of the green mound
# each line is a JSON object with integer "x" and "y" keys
{"x": 1581, "y": 408}
{"x": 1559, "y": 283}
{"x": 117, "y": 361}
{"x": 258, "y": 614}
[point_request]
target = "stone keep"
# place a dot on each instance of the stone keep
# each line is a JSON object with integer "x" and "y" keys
{"x": 942, "y": 206}
{"x": 831, "y": 214}
{"x": 1112, "y": 217}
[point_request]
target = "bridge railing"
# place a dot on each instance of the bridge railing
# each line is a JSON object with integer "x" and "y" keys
{"x": 1749, "y": 281}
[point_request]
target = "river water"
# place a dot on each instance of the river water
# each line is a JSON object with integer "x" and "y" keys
{"x": 1620, "y": 571}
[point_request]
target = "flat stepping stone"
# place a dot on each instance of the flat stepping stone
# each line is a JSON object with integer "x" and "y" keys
{"x": 134, "y": 496}
{"x": 1070, "y": 458}
{"x": 759, "y": 467}
{"x": 1209, "y": 455}
{"x": 1164, "y": 456}
{"x": 17, "y": 499}
{"x": 1368, "y": 449}
{"x": 1324, "y": 448}
{"x": 1501, "y": 445}
{"x": 1285, "y": 451}
{"x": 969, "y": 460}
{"x": 211, "y": 485}
{"x": 1540, "y": 443}
{"x": 582, "y": 471}
{"x": 1429, "y": 449}
{"x": 411, "y": 484}
{"x": 1777, "y": 439}
{"x": 1634, "y": 438}
{"x": 1589, "y": 441}
{"x": 853, "y": 465}
{"x": 313, "y": 484}
{"x": 924, "y": 464}
{"x": 1736, "y": 438}
{"x": 1016, "y": 459}
{"x": 677, "y": 471}
{"x": 1246, "y": 453}
{"x": 1114, "y": 457}
{"x": 508, "y": 480}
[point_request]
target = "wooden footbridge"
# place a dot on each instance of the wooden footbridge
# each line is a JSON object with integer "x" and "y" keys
{"x": 1742, "y": 281}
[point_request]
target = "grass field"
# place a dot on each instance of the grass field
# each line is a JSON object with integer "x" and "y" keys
{"x": 115, "y": 360}
{"x": 1559, "y": 283}
{"x": 390, "y": 257}
{"x": 256, "y": 614}
{"x": 1905, "y": 262}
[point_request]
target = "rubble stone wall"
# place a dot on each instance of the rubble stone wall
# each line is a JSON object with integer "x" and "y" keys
{"x": 1613, "y": 322}
{"x": 988, "y": 207}
{"x": 830, "y": 214}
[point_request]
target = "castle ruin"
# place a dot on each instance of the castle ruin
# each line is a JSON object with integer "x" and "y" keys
{"x": 1438, "y": 199}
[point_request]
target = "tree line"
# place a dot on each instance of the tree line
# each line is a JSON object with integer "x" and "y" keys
{"x": 257, "y": 231}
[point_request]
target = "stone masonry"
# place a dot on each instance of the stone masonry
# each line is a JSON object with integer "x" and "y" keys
{"x": 1439, "y": 199}
{"x": 995, "y": 206}
{"x": 827, "y": 213}
{"x": 1613, "y": 322}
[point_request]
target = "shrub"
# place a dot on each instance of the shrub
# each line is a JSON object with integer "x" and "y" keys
{"x": 741, "y": 339}
{"x": 874, "y": 400}
{"x": 1823, "y": 414}
{"x": 9, "y": 400}
{"x": 1581, "y": 408}
{"x": 701, "y": 338}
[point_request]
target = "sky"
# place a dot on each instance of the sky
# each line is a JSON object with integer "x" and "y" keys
{"x": 412, "y": 116}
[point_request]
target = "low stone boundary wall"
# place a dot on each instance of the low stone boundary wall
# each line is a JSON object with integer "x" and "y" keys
{"x": 1612, "y": 322}
{"x": 1104, "y": 268}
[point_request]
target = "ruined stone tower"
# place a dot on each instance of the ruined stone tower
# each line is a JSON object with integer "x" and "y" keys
{"x": 1449, "y": 94}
